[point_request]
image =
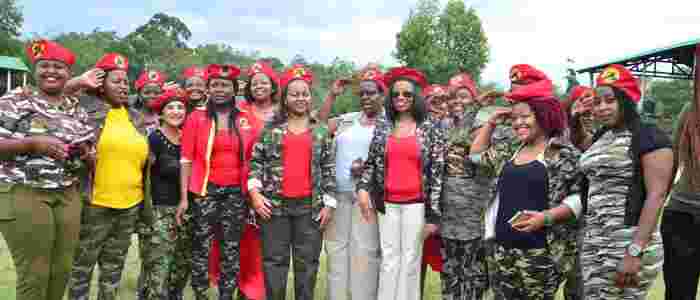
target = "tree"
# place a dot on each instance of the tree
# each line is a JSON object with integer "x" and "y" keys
{"x": 11, "y": 20}
{"x": 156, "y": 42}
{"x": 89, "y": 47}
{"x": 670, "y": 96}
{"x": 442, "y": 43}
{"x": 298, "y": 60}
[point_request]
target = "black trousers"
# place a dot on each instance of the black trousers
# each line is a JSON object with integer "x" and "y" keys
{"x": 681, "y": 254}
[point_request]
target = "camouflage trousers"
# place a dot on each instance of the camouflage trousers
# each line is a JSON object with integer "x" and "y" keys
{"x": 41, "y": 230}
{"x": 603, "y": 251}
{"x": 105, "y": 237}
{"x": 165, "y": 256}
{"x": 464, "y": 275}
{"x": 571, "y": 267}
{"x": 226, "y": 207}
{"x": 517, "y": 274}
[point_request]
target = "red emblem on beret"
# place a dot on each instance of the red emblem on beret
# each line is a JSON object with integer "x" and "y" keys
{"x": 297, "y": 72}
{"x": 619, "y": 77}
{"x": 48, "y": 50}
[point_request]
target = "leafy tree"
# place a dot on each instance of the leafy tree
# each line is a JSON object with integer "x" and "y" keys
{"x": 155, "y": 43}
{"x": 442, "y": 43}
{"x": 11, "y": 20}
{"x": 670, "y": 96}
{"x": 89, "y": 47}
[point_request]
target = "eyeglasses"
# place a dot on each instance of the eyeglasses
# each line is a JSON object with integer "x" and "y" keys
{"x": 404, "y": 94}
{"x": 368, "y": 93}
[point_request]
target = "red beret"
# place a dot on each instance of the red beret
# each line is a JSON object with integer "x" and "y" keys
{"x": 578, "y": 92}
{"x": 166, "y": 97}
{"x": 229, "y": 72}
{"x": 374, "y": 74}
{"x": 619, "y": 77}
{"x": 434, "y": 90}
{"x": 194, "y": 71}
{"x": 526, "y": 74}
{"x": 48, "y": 50}
{"x": 147, "y": 77}
{"x": 296, "y": 72}
{"x": 542, "y": 88}
{"x": 112, "y": 61}
{"x": 404, "y": 72}
{"x": 463, "y": 80}
{"x": 262, "y": 67}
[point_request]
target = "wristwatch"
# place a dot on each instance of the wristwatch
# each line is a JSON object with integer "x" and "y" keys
{"x": 635, "y": 250}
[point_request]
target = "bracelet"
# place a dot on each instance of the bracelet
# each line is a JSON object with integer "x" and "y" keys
{"x": 548, "y": 219}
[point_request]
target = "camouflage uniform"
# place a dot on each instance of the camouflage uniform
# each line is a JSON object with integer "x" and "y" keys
{"x": 227, "y": 207}
{"x": 180, "y": 264}
{"x": 105, "y": 236}
{"x": 294, "y": 222}
{"x": 39, "y": 198}
{"x": 561, "y": 160}
{"x": 609, "y": 169}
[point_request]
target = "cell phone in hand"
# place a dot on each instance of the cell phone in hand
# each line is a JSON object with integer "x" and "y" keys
{"x": 516, "y": 218}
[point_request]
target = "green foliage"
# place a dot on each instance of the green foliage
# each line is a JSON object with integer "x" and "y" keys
{"x": 442, "y": 43}
{"x": 670, "y": 96}
{"x": 11, "y": 20}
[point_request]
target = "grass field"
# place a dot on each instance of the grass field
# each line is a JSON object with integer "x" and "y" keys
{"x": 127, "y": 291}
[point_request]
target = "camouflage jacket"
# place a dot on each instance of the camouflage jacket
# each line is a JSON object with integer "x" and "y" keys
{"x": 26, "y": 115}
{"x": 561, "y": 160}
{"x": 266, "y": 167}
{"x": 97, "y": 111}
{"x": 431, "y": 141}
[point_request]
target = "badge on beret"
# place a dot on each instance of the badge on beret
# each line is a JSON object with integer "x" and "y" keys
{"x": 38, "y": 49}
{"x": 456, "y": 80}
{"x": 515, "y": 75}
{"x": 119, "y": 61}
{"x": 299, "y": 72}
{"x": 243, "y": 123}
{"x": 224, "y": 71}
{"x": 610, "y": 75}
{"x": 257, "y": 68}
{"x": 153, "y": 75}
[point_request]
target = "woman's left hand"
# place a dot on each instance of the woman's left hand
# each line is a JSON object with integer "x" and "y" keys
{"x": 628, "y": 272}
{"x": 529, "y": 221}
{"x": 325, "y": 216}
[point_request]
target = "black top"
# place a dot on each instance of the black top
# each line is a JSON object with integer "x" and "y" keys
{"x": 521, "y": 187}
{"x": 165, "y": 171}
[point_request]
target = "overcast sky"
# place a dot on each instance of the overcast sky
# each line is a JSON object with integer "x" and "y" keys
{"x": 538, "y": 32}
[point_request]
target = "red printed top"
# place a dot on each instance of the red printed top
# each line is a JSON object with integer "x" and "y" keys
{"x": 225, "y": 159}
{"x": 403, "y": 181}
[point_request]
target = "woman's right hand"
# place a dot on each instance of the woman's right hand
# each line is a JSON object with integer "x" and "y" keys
{"x": 499, "y": 114}
{"x": 365, "y": 207}
{"x": 92, "y": 79}
{"x": 180, "y": 214}
{"x": 261, "y": 205}
{"x": 582, "y": 106}
{"x": 48, "y": 146}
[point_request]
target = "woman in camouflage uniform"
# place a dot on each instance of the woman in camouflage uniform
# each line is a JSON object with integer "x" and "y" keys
{"x": 40, "y": 134}
{"x": 292, "y": 188}
{"x": 538, "y": 181}
{"x": 629, "y": 168}
{"x": 465, "y": 194}
{"x": 403, "y": 173}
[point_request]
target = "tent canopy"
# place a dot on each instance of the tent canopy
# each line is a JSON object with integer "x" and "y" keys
{"x": 12, "y": 63}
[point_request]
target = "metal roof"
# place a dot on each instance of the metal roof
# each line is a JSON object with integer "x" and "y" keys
{"x": 674, "y": 61}
{"x": 12, "y": 63}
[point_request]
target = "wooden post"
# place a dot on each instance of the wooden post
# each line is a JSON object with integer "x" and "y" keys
{"x": 9, "y": 81}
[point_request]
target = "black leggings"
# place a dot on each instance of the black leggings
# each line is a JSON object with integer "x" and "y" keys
{"x": 681, "y": 254}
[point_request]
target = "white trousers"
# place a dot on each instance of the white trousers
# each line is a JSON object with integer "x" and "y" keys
{"x": 401, "y": 239}
{"x": 352, "y": 252}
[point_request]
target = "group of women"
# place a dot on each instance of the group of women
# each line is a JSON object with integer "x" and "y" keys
{"x": 516, "y": 198}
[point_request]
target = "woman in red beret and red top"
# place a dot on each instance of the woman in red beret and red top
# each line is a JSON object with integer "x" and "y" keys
{"x": 40, "y": 200}
{"x": 403, "y": 174}
{"x": 195, "y": 84}
{"x": 214, "y": 144}
{"x": 260, "y": 92}
{"x": 629, "y": 170}
{"x": 292, "y": 188}
{"x": 117, "y": 192}
{"x": 538, "y": 192}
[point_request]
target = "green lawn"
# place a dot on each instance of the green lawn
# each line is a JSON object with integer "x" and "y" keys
{"x": 7, "y": 280}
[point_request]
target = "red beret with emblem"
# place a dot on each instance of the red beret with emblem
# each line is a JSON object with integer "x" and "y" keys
{"x": 262, "y": 67}
{"x": 542, "y": 88}
{"x": 618, "y": 77}
{"x": 376, "y": 75}
{"x": 169, "y": 95}
{"x": 229, "y": 72}
{"x": 434, "y": 90}
{"x": 49, "y": 50}
{"x": 526, "y": 74}
{"x": 579, "y": 91}
{"x": 463, "y": 80}
{"x": 297, "y": 72}
{"x": 414, "y": 75}
{"x": 194, "y": 71}
{"x": 151, "y": 76}
{"x": 112, "y": 61}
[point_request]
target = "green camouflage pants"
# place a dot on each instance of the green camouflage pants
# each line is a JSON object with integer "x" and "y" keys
{"x": 517, "y": 274}
{"x": 105, "y": 237}
{"x": 174, "y": 247}
{"x": 41, "y": 230}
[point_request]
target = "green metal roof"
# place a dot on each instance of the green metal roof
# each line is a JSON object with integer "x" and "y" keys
{"x": 679, "y": 53}
{"x": 12, "y": 63}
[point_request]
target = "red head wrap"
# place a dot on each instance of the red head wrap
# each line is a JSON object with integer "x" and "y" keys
{"x": 147, "y": 77}
{"x": 374, "y": 74}
{"x": 526, "y": 74}
{"x": 48, "y": 50}
{"x": 194, "y": 71}
{"x": 113, "y": 61}
{"x": 434, "y": 90}
{"x": 262, "y": 67}
{"x": 618, "y": 77}
{"x": 229, "y": 72}
{"x": 296, "y": 72}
